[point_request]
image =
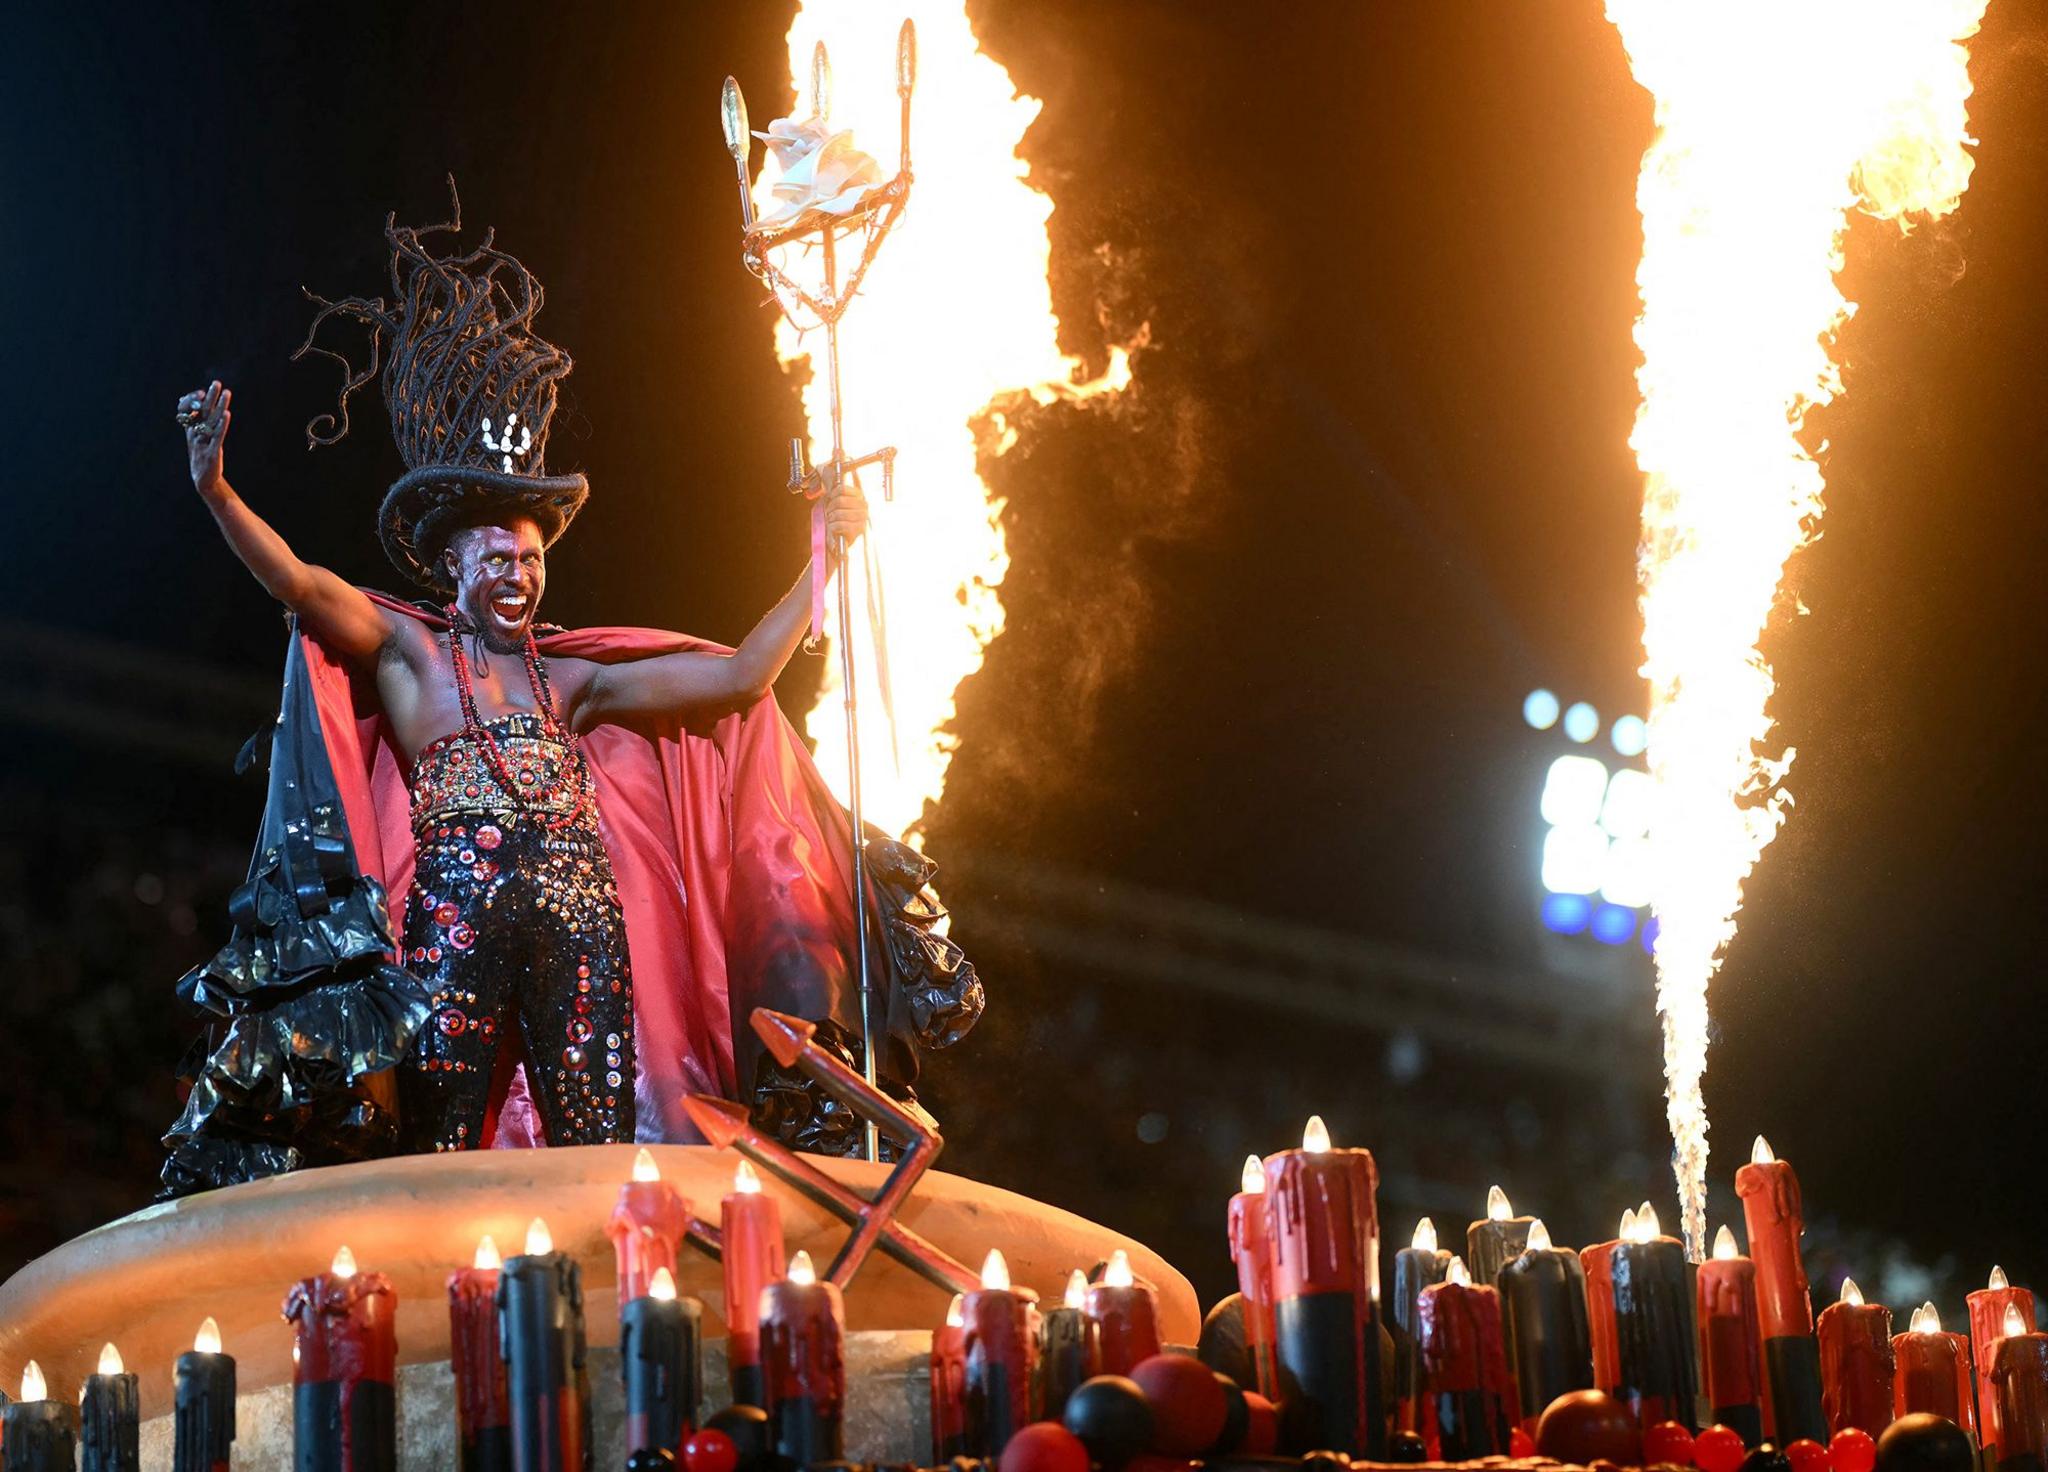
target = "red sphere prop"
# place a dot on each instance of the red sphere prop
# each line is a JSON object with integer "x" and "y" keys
{"x": 1668, "y": 1441}
{"x": 1587, "y": 1426}
{"x": 713, "y": 1451}
{"x": 1807, "y": 1456}
{"x": 1852, "y": 1449}
{"x": 1043, "y": 1446}
{"x": 1262, "y": 1427}
{"x": 1720, "y": 1449}
{"x": 1520, "y": 1443}
{"x": 1188, "y": 1406}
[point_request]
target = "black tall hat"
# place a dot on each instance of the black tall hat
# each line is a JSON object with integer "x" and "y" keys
{"x": 470, "y": 388}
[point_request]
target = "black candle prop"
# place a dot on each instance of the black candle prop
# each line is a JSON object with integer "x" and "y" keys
{"x": 1001, "y": 1359}
{"x": 37, "y": 1434}
{"x": 109, "y": 1415}
{"x": 803, "y": 1365}
{"x": 1416, "y": 1267}
{"x": 1543, "y": 1299}
{"x": 1653, "y": 1326}
{"x": 1066, "y": 1356}
{"x": 660, "y": 1338}
{"x": 1492, "y": 1244}
{"x": 203, "y": 1396}
{"x": 540, "y": 1327}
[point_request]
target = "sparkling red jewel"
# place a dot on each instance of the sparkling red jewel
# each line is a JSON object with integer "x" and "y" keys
{"x": 710, "y": 1451}
{"x": 1720, "y": 1449}
{"x": 1668, "y": 1441}
{"x": 1851, "y": 1449}
{"x": 446, "y": 914}
{"x": 1807, "y": 1455}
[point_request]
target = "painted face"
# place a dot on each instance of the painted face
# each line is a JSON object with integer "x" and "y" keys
{"x": 499, "y": 574}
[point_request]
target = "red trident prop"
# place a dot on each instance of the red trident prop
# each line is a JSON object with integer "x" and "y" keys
{"x": 793, "y": 1043}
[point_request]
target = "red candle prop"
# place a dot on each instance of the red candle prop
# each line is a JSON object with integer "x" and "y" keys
{"x": 540, "y": 1334}
{"x": 1933, "y": 1373}
{"x": 1856, "y": 1365}
{"x": 203, "y": 1399}
{"x": 39, "y": 1434}
{"x": 2019, "y": 1375}
{"x": 109, "y": 1417}
{"x": 1466, "y": 1390}
{"x": 1597, "y": 1262}
{"x": 1002, "y": 1354}
{"x": 1771, "y": 1210}
{"x": 1730, "y": 1344}
{"x": 750, "y": 1227}
{"x": 1416, "y": 1266}
{"x": 1987, "y": 1326}
{"x": 1066, "y": 1350}
{"x": 648, "y": 1222}
{"x": 803, "y": 1365}
{"x": 1323, "y": 1229}
{"x": 1124, "y": 1317}
{"x": 1654, "y": 1332}
{"x": 1247, "y": 1222}
{"x": 344, "y": 1395}
{"x": 949, "y": 1385}
{"x": 482, "y": 1420}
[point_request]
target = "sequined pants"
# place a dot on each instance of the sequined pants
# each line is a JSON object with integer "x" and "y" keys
{"x": 513, "y": 926}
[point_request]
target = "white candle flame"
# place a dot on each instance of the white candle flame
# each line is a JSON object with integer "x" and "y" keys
{"x": 1926, "y": 1320}
{"x": 745, "y": 1181}
{"x": 344, "y": 1264}
{"x": 1457, "y": 1272}
{"x": 644, "y": 1168}
{"x": 662, "y": 1285}
{"x": 801, "y": 1269}
{"x": 1315, "y": 1136}
{"x": 1760, "y": 1152}
{"x": 1626, "y": 1232}
{"x": 1118, "y": 1274}
{"x": 539, "y": 1239}
{"x": 995, "y": 1270}
{"x": 1539, "y": 1236}
{"x": 487, "y": 1254}
{"x": 1997, "y": 1279}
{"x": 1424, "y": 1239}
{"x": 1497, "y": 1208}
{"x": 1648, "y": 1228}
{"x": 2014, "y": 1324}
{"x": 956, "y": 1313}
{"x": 207, "y": 1340}
{"x": 33, "y": 1386}
{"x": 1851, "y": 1294}
{"x": 1077, "y": 1289}
{"x": 1253, "y": 1181}
{"x": 1724, "y": 1244}
{"x": 110, "y": 1361}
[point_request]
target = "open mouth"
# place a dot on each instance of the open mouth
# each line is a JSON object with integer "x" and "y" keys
{"x": 510, "y": 608}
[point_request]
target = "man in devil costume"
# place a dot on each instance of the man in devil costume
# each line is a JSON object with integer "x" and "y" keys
{"x": 609, "y": 844}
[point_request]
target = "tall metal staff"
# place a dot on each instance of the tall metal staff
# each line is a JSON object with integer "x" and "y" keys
{"x": 873, "y": 217}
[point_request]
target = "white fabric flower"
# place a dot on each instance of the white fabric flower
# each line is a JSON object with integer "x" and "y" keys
{"x": 821, "y": 170}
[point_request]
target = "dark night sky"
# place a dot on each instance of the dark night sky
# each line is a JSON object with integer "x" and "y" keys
{"x": 1271, "y": 617}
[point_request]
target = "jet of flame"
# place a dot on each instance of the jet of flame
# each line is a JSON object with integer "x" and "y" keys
{"x": 956, "y": 312}
{"x": 1773, "y": 122}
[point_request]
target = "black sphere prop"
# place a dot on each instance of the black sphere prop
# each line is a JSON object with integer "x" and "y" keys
{"x": 1766, "y": 1458}
{"x": 1222, "y": 1345}
{"x": 1237, "y": 1416}
{"x": 650, "y": 1459}
{"x": 1407, "y": 1446}
{"x": 1325, "y": 1462}
{"x": 1923, "y": 1442}
{"x": 1112, "y": 1417}
{"x": 748, "y": 1428}
{"x": 967, "y": 1464}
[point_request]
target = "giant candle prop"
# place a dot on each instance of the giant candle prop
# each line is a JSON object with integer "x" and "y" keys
{"x": 1066, "y": 1349}
{"x": 2019, "y": 1376}
{"x": 646, "y": 1224}
{"x": 1001, "y": 1348}
{"x": 1933, "y": 1371}
{"x": 1324, "y": 1234}
{"x": 1856, "y": 1367}
{"x": 1247, "y": 1223}
{"x": 1653, "y": 1326}
{"x": 1597, "y": 1262}
{"x": 1466, "y": 1390}
{"x": 38, "y": 1434}
{"x": 1123, "y": 1315}
{"x": 1416, "y": 1266}
{"x": 1730, "y": 1348}
{"x": 344, "y": 1379}
{"x": 949, "y": 1385}
{"x": 1543, "y": 1299}
{"x": 1493, "y": 1243}
{"x": 660, "y": 1356}
{"x": 540, "y": 1334}
{"x": 1771, "y": 1210}
{"x": 750, "y": 1228}
{"x": 803, "y": 1365}
{"x": 1987, "y": 1326}
{"x": 482, "y": 1425}
{"x": 110, "y": 1428}
{"x": 203, "y": 1401}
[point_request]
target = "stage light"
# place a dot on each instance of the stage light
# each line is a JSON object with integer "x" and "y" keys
{"x": 1581, "y": 722}
{"x": 1539, "y": 709}
{"x": 1614, "y": 925}
{"x": 1650, "y": 928}
{"x": 1625, "y": 812}
{"x": 1573, "y": 859}
{"x": 1574, "y": 789}
{"x": 1566, "y": 914}
{"x": 1625, "y": 877}
{"x": 1629, "y": 735}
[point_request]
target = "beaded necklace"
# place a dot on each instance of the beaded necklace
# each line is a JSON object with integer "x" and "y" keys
{"x": 576, "y": 768}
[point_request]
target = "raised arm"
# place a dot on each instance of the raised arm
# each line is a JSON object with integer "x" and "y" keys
{"x": 697, "y": 685}
{"x": 333, "y": 610}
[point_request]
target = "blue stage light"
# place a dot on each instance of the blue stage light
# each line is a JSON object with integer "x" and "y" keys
{"x": 1540, "y": 709}
{"x": 1614, "y": 925}
{"x": 1630, "y": 735}
{"x": 1566, "y": 914}
{"x": 1582, "y": 722}
{"x": 1650, "y": 929}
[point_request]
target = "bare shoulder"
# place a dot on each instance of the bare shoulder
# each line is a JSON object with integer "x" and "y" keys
{"x": 573, "y": 681}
